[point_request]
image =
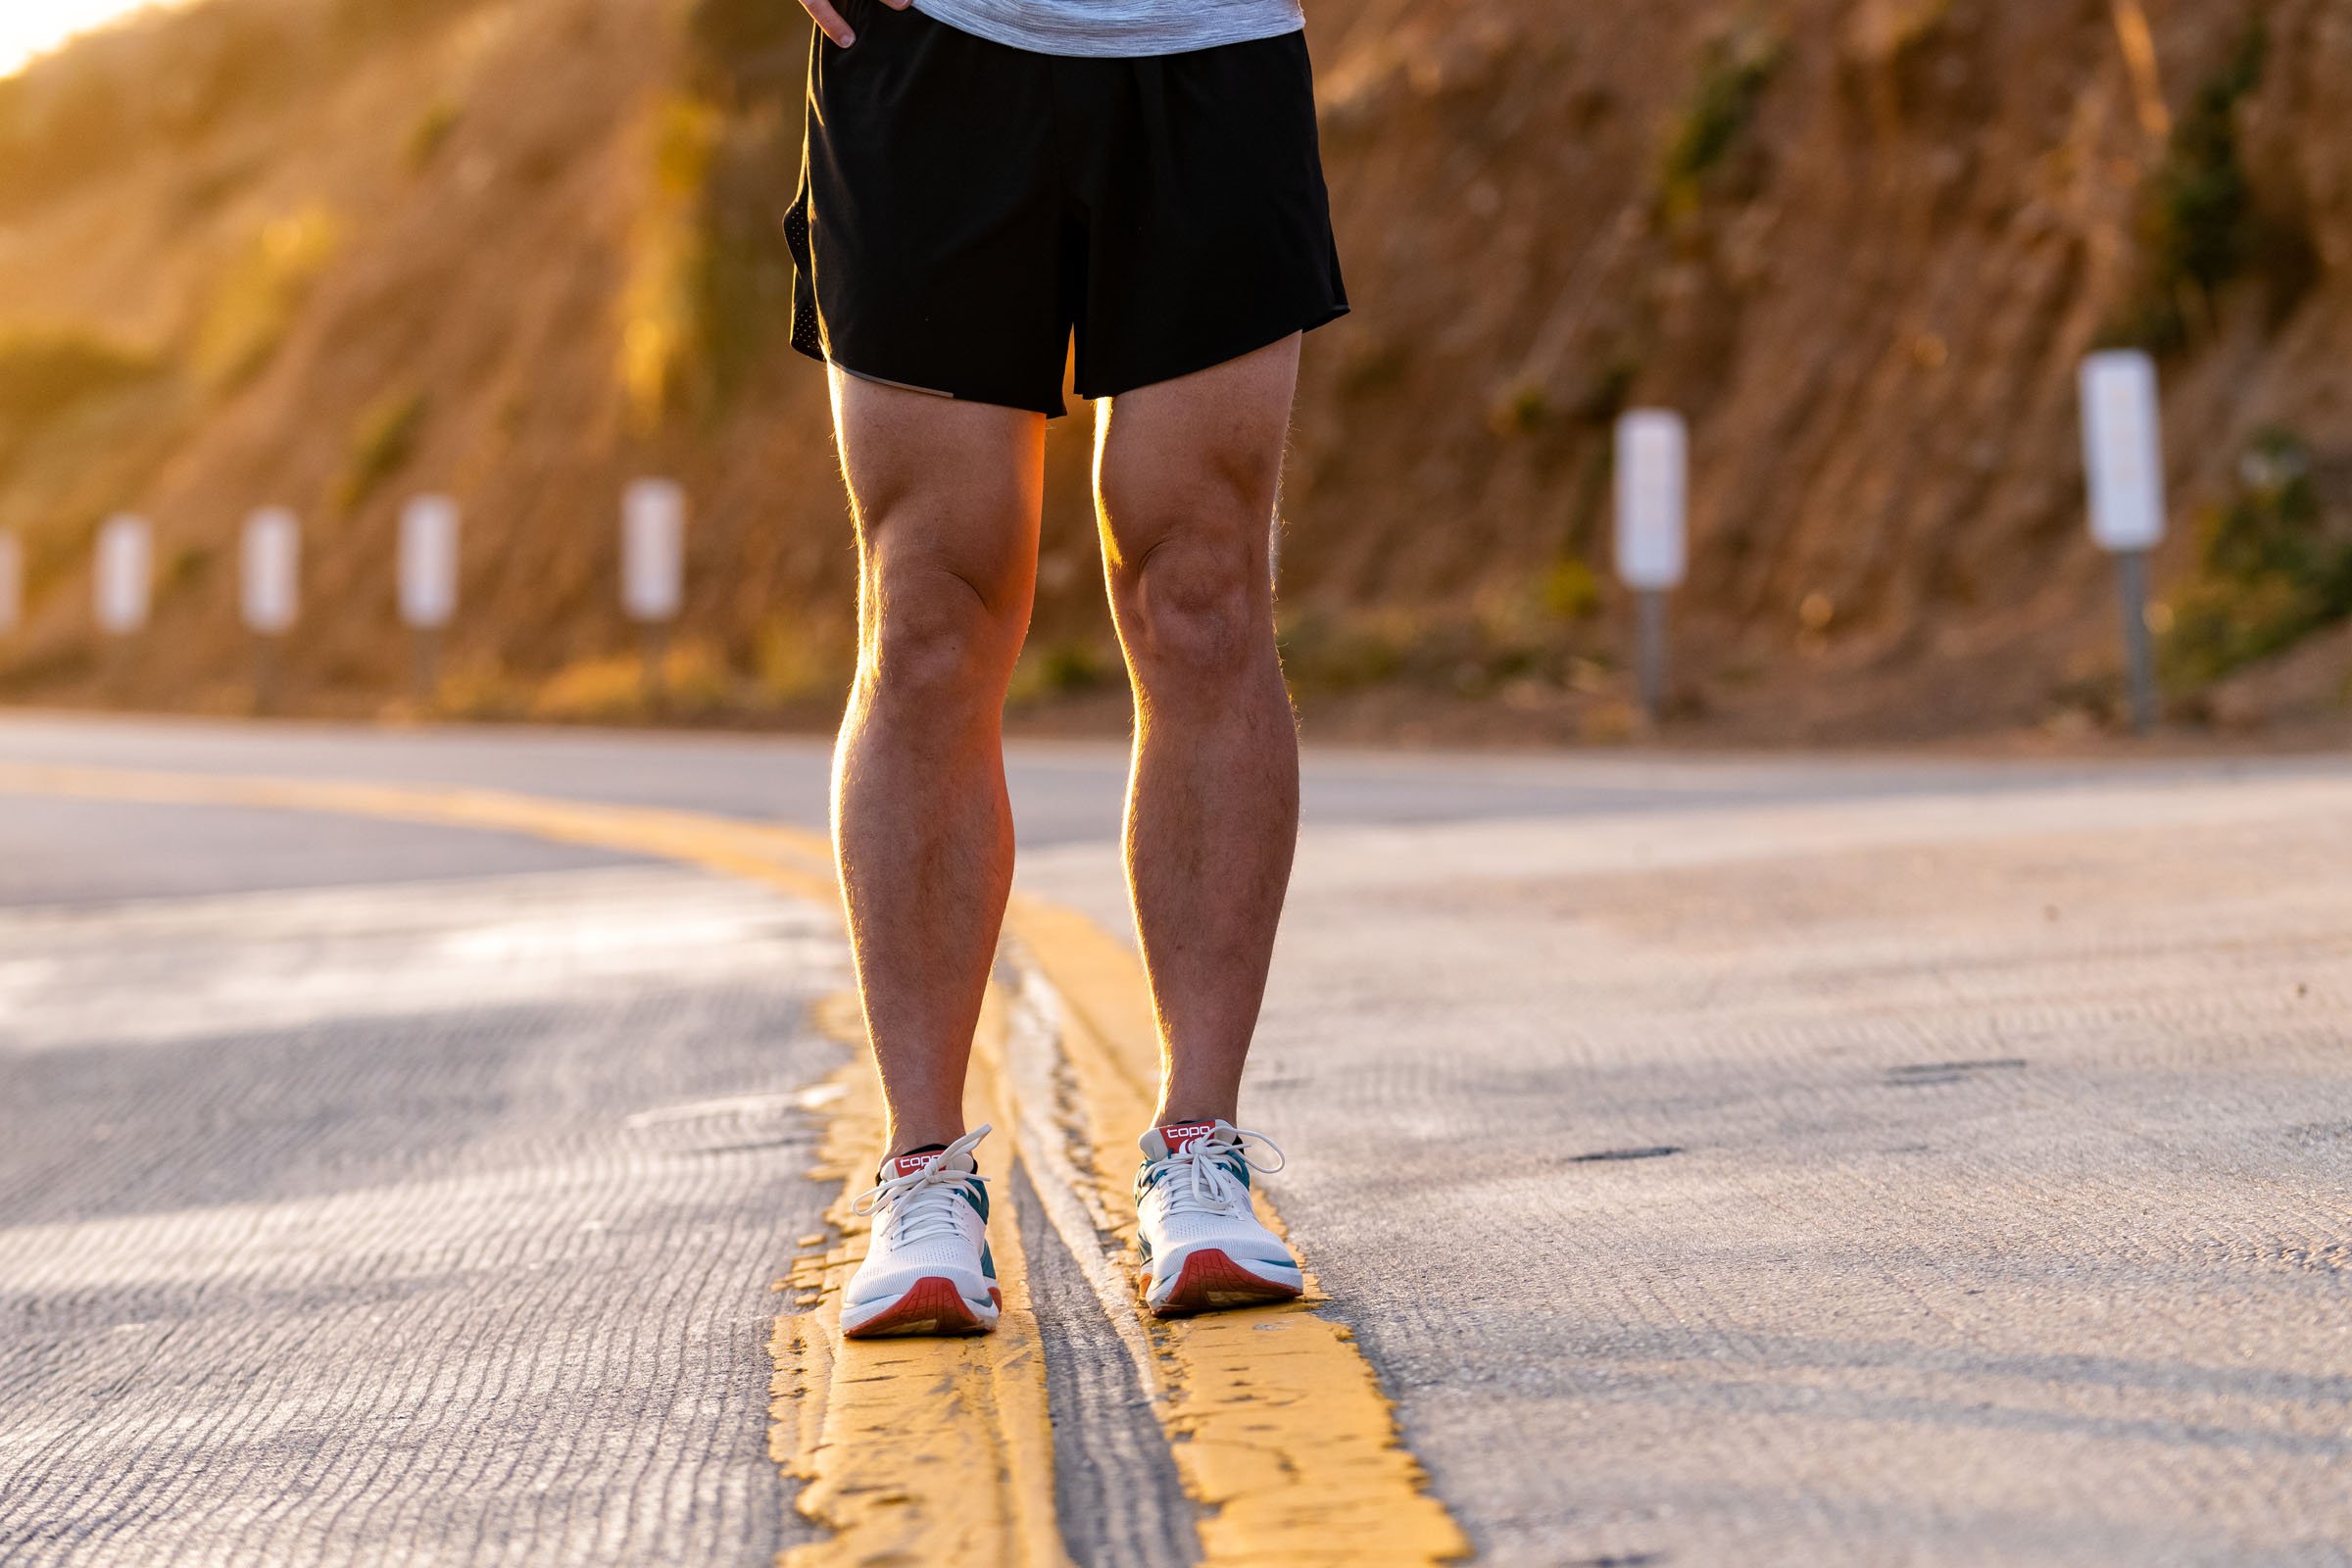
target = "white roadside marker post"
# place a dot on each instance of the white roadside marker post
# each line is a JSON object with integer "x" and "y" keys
{"x": 1652, "y": 499}
{"x": 429, "y": 582}
{"x": 122, "y": 587}
{"x": 11, "y": 583}
{"x": 271, "y": 566}
{"x": 2123, "y": 447}
{"x": 652, "y": 570}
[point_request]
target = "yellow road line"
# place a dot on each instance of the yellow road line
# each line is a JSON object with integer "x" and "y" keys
{"x": 941, "y": 1451}
{"x": 797, "y": 861}
{"x": 934, "y": 1451}
{"x": 915, "y": 1450}
{"x": 1277, "y": 1422}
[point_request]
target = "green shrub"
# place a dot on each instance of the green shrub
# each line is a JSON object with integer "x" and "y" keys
{"x": 1061, "y": 670}
{"x": 2197, "y": 227}
{"x": 1734, "y": 71}
{"x": 1522, "y": 410}
{"x": 1571, "y": 590}
{"x": 383, "y": 440}
{"x": 2272, "y": 567}
{"x": 1611, "y": 390}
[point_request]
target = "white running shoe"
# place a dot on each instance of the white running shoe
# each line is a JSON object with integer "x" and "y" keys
{"x": 1204, "y": 1248}
{"x": 928, "y": 1267}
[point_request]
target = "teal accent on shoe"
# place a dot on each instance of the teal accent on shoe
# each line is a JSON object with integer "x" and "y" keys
{"x": 1148, "y": 1175}
{"x": 988, "y": 1261}
{"x": 976, "y": 1193}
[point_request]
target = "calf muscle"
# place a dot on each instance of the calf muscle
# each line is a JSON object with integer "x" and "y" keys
{"x": 1186, "y": 472}
{"x": 946, "y": 498}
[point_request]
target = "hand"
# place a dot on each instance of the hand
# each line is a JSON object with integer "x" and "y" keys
{"x": 828, "y": 20}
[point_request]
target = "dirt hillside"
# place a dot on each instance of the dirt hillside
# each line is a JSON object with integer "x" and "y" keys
{"x": 330, "y": 252}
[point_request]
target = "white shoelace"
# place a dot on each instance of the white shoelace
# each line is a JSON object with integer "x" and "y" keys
{"x": 1213, "y": 1189}
{"x": 922, "y": 1204}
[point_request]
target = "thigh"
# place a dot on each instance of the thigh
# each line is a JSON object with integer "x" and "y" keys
{"x": 938, "y": 485}
{"x": 1209, "y": 233}
{"x": 1197, "y": 460}
{"x": 927, "y": 232}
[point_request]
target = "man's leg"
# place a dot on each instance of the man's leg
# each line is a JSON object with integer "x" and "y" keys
{"x": 946, "y": 496}
{"x": 1184, "y": 474}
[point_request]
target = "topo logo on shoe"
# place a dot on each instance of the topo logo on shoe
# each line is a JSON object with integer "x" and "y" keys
{"x": 1180, "y": 1138}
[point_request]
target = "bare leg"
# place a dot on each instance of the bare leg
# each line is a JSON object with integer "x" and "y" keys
{"x": 1185, "y": 474}
{"x": 946, "y": 496}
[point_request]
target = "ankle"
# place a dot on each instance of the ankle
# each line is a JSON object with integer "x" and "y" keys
{"x": 1210, "y": 1111}
{"x": 919, "y": 1140}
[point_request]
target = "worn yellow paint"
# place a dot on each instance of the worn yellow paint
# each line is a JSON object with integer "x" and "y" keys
{"x": 941, "y": 1451}
{"x": 781, "y": 856}
{"x": 936, "y": 1450}
{"x": 914, "y": 1450}
{"x": 1278, "y": 1424}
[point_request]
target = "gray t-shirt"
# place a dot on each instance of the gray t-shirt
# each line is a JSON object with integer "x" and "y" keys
{"x": 1118, "y": 27}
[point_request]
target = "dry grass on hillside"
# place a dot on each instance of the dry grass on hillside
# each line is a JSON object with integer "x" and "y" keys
{"x": 521, "y": 250}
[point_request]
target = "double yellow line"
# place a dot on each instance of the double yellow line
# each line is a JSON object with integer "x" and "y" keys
{"x": 941, "y": 1451}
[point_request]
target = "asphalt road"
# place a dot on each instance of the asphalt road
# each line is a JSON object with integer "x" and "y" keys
{"x": 1754, "y": 1160}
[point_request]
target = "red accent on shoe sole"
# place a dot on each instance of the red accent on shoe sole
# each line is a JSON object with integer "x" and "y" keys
{"x": 931, "y": 1305}
{"x": 1210, "y": 1280}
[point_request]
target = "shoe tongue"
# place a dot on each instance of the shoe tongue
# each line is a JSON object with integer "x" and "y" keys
{"x": 913, "y": 1164}
{"x": 1162, "y": 1141}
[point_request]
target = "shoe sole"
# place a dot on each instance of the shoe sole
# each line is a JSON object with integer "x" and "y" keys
{"x": 1211, "y": 1282}
{"x": 931, "y": 1305}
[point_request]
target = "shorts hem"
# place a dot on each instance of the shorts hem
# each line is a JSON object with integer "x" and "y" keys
{"x": 1221, "y": 352}
{"x": 1053, "y": 410}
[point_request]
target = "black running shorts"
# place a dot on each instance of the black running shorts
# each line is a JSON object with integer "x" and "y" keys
{"x": 966, "y": 207}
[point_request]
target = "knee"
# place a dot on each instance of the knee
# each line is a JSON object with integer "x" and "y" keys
{"x": 1195, "y": 609}
{"x": 937, "y": 637}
